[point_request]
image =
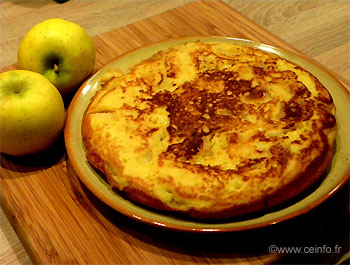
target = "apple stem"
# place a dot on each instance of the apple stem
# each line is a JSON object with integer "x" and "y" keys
{"x": 55, "y": 67}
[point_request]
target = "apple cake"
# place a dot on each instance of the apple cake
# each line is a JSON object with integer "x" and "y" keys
{"x": 211, "y": 130}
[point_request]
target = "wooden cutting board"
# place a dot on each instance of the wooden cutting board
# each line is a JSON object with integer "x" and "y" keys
{"x": 59, "y": 221}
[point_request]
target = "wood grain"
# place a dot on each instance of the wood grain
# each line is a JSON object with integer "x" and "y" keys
{"x": 319, "y": 29}
{"x": 97, "y": 17}
{"x": 60, "y": 221}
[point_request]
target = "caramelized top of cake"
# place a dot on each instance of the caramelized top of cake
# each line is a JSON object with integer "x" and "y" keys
{"x": 211, "y": 130}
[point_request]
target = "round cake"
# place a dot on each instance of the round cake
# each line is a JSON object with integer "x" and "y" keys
{"x": 211, "y": 130}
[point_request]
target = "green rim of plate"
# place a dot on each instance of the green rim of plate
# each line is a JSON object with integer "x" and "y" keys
{"x": 336, "y": 177}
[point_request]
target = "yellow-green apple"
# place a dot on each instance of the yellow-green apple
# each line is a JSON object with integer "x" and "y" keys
{"x": 32, "y": 112}
{"x": 60, "y": 50}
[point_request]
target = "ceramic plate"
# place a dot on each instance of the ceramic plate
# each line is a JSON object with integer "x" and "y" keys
{"x": 336, "y": 176}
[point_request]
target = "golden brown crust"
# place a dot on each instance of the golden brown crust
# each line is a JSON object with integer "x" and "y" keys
{"x": 292, "y": 189}
{"x": 211, "y": 130}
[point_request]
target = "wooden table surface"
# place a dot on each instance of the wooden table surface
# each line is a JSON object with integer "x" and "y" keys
{"x": 320, "y": 29}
